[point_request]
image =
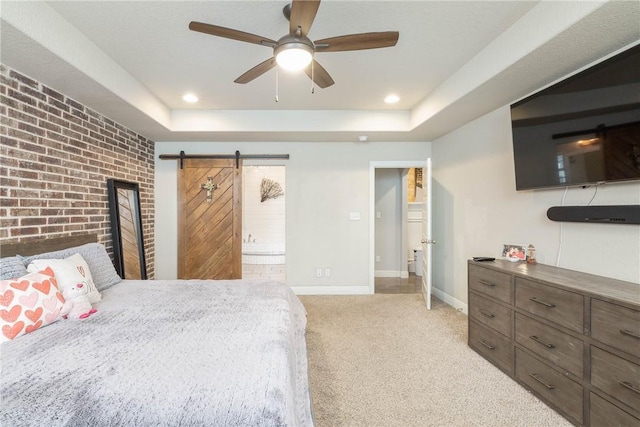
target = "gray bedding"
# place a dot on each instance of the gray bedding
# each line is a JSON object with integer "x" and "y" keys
{"x": 196, "y": 353}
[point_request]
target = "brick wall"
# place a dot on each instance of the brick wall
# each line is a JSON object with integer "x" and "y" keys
{"x": 55, "y": 157}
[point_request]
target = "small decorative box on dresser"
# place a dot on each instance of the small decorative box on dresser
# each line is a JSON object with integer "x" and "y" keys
{"x": 571, "y": 338}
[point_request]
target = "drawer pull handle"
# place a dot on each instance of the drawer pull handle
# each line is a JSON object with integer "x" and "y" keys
{"x": 539, "y": 341}
{"x": 539, "y": 301}
{"x": 630, "y": 386}
{"x": 630, "y": 333}
{"x": 487, "y": 283}
{"x": 541, "y": 381}
{"x": 489, "y": 346}
{"x": 483, "y": 312}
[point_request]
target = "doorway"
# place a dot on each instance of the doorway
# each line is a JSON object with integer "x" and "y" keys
{"x": 398, "y": 171}
{"x": 263, "y": 223}
{"x": 397, "y": 231}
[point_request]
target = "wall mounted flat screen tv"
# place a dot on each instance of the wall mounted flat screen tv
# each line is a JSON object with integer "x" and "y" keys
{"x": 583, "y": 130}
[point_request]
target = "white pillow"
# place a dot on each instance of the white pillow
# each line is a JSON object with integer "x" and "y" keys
{"x": 69, "y": 271}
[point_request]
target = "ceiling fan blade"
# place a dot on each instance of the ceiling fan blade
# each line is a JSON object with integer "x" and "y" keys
{"x": 229, "y": 33}
{"x": 256, "y": 71}
{"x": 320, "y": 76}
{"x": 303, "y": 12}
{"x": 357, "y": 41}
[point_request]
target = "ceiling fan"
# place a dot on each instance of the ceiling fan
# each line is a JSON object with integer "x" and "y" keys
{"x": 295, "y": 51}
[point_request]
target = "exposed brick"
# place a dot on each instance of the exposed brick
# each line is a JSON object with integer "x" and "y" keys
{"x": 59, "y": 105}
{"x": 32, "y": 166}
{"x": 33, "y": 221}
{"x": 18, "y": 134}
{"x": 17, "y": 77}
{"x": 21, "y": 116}
{"x": 55, "y": 156}
{"x": 32, "y": 92}
{"x": 26, "y": 231}
{"x": 9, "y": 222}
{"x": 21, "y": 97}
{"x": 5, "y": 100}
{"x": 33, "y": 147}
{"x": 51, "y": 229}
{"x": 49, "y": 126}
{"x": 52, "y": 93}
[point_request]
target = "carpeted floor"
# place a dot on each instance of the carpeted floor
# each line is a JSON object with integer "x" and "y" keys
{"x": 384, "y": 360}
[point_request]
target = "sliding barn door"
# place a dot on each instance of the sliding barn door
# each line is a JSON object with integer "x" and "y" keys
{"x": 210, "y": 219}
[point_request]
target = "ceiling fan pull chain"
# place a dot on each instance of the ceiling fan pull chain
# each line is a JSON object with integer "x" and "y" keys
{"x": 277, "y": 100}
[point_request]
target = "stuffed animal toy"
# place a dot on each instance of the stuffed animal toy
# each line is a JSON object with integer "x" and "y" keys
{"x": 77, "y": 305}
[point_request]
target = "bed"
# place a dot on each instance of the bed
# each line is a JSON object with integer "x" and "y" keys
{"x": 158, "y": 352}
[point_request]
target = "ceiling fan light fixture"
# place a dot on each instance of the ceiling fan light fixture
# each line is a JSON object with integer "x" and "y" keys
{"x": 294, "y": 56}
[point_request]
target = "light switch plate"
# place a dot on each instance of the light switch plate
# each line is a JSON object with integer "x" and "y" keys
{"x": 354, "y": 216}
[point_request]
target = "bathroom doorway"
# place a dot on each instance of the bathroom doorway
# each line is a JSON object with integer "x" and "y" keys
{"x": 263, "y": 223}
{"x": 401, "y": 243}
{"x": 397, "y": 230}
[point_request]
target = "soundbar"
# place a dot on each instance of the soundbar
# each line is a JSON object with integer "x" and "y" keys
{"x": 614, "y": 214}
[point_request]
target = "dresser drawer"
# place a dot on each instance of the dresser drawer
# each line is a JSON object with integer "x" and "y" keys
{"x": 491, "y": 346}
{"x": 562, "y": 350}
{"x": 616, "y": 326}
{"x": 605, "y": 414}
{"x": 562, "y": 307}
{"x": 490, "y": 314}
{"x": 490, "y": 282}
{"x": 552, "y": 386}
{"x": 616, "y": 376}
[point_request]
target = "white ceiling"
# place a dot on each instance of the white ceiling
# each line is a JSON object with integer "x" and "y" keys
{"x": 454, "y": 61}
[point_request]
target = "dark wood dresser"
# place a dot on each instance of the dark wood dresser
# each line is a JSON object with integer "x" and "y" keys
{"x": 571, "y": 338}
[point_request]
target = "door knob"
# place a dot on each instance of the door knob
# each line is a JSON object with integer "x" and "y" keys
{"x": 428, "y": 241}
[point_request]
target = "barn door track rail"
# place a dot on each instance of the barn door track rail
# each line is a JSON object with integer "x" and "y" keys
{"x": 236, "y": 156}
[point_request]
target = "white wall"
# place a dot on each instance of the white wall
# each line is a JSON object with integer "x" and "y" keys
{"x": 476, "y": 210}
{"x": 414, "y": 231}
{"x": 263, "y": 222}
{"x": 324, "y": 182}
{"x": 389, "y": 226}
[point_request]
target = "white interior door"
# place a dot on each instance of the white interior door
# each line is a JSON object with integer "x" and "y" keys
{"x": 427, "y": 237}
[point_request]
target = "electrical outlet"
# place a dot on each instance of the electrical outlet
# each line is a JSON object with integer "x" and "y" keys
{"x": 377, "y": 258}
{"x": 327, "y": 272}
{"x": 319, "y": 272}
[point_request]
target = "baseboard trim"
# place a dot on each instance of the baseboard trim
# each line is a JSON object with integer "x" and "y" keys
{"x": 389, "y": 273}
{"x": 331, "y": 290}
{"x": 364, "y": 290}
{"x": 448, "y": 299}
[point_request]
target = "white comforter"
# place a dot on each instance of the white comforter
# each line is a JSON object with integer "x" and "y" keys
{"x": 193, "y": 353}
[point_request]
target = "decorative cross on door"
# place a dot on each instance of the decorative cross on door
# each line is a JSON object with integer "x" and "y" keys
{"x": 209, "y": 186}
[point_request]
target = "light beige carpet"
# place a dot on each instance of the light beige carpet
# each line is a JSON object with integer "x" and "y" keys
{"x": 384, "y": 360}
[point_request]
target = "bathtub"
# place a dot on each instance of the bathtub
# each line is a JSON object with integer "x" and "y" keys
{"x": 263, "y": 253}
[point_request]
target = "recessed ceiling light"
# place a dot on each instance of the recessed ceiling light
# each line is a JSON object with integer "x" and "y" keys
{"x": 392, "y": 99}
{"x": 363, "y": 138}
{"x": 189, "y": 97}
